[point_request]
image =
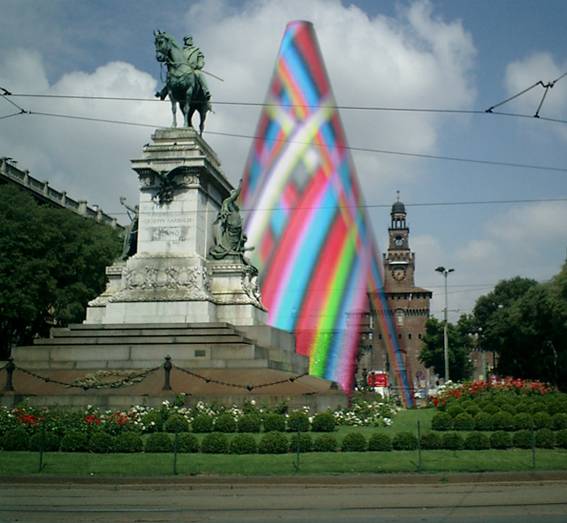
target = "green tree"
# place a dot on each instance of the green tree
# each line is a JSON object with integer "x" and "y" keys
{"x": 52, "y": 263}
{"x": 460, "y": 345}
{"x": 525, "y": 323}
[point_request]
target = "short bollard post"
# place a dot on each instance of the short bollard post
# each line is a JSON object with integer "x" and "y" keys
{"x": 419, "y": 463}
{"x": 10, "y": 367}
{"x": 167, "y": 365}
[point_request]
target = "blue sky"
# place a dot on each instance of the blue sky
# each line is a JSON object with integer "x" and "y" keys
{"x": 442, "y": 54}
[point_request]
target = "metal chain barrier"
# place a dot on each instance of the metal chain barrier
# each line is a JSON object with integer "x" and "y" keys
{"x": 124, "y": 382}
{"x": 249, "y": 388}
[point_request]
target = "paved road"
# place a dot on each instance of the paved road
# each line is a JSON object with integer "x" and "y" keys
{"x": 520, "y": 502}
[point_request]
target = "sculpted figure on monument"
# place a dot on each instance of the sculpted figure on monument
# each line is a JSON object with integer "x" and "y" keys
{"x": 130, "y": 244}
{"x": 185, "y": 83}
{"x": 229, "y": 237}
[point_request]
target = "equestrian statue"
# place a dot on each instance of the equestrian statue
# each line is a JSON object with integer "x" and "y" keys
{"x": 185, "y": 84}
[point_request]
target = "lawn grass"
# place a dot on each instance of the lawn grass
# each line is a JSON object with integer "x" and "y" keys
{"x": 84, "y": 464}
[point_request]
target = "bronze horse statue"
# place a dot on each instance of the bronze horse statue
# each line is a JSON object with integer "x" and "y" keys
{"x": 182, "y": 85}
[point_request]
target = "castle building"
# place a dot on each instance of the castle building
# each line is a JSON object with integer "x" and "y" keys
{"x": 408, "y": 305}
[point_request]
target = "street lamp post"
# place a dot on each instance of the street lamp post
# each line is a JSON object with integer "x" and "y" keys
{"x": 445, "y": 272}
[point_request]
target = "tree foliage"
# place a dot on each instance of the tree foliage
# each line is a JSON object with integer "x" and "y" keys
{"x": 525, "y": 323}
{"x": 460, "y": 345}
{"x": 52, "y": 263}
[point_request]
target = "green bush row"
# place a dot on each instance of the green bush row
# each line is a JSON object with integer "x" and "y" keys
{"x": 281, "y": 443}
{"x": 554, "y": 403}
{"x": 272, "y": 422}
{"x": 500, "y": 420}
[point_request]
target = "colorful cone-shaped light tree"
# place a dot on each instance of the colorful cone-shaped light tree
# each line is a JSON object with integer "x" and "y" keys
{"x": 313, "y": 242}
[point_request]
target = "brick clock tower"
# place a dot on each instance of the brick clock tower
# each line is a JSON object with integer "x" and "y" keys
{"x": 407, "y": 304}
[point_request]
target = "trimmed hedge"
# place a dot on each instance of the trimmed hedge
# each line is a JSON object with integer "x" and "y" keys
{"x": 273, "y": 443}
{"x": 274, "y": 423}
{"x": 101, "y": 443}
{"x": 500, "y": 440}
{"x": 243, "y": 444}
{"x": 298, "y": 422}
{"x": 453, "y": 441}
{"x": 545, "y": 439}
{"x": 158, "y": 442}
{"x": 74, "y": 442}
{"x": 380, "y": 442}
{"x": 441, "y": 421}
{"x": 225, "y": 422}
{"x": 431, "y": 441}
{"x": 325, "y": 443}
{"x": 187, "y": 443}
{"x": 202, "y": 424}
{"x": 354, "y": 442}
{"x": 323, "y": 422}
{"x": 404, "y": 441}
{"x": 50, "y": 442}
{"x": 16, "y": 439}
{"x": 215, "y": 443}
{"x": 304, "y": 440}
{"x": 463, "y": 421}
{"x": 176, "y": 423}
{"x": 128, "y": 442}
{"x": 522, "y": 439}
{"x": 249, "y": 423}
{"x": 477, "y": 441}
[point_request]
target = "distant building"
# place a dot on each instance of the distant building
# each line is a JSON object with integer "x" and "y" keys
{"x": 408, "y": 306}
{"x": 44, "y": 193}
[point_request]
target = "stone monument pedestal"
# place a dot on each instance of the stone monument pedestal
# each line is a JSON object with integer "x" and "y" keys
{"x": 173, "y": 298}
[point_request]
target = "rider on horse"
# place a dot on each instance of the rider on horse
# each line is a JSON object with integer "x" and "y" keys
{"x": 196, "y": 60}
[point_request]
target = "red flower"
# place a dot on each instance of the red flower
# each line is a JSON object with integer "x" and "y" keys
{"x": 91, "y": 419}
{"x": 28, "y": 419}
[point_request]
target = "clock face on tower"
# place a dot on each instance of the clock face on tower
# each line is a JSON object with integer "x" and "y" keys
{"x": 399, "y": 273}
{"x": 398, "y": 241}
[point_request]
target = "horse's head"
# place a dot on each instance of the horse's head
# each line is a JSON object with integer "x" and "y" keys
{"x": 163, "y": 44}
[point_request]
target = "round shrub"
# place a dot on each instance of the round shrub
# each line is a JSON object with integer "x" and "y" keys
{"x": 74, "y": 442}
{"x": 152, "y": 421}
{"x": 544, "y": 439}
{"x": 559, "y": 421}
{"x": 16, "y": 439}
{"x": 503, "y": 421}
{"x": 225, "y": 422}
{"x": 325, "y": 443}
{"x": 452, "y": 441}
{"x": 274, "y": 423}
{"x": 477, "y": 441}
{"x": 187, "y": 442}
{"x": 404, "y": 441}
{"x": 215, "y": 443}
{"x": 101, "y": 443}
{"x": 50, "y": 442}
{"x": 507, "y": 406}
{"x": 159, "y": 442}
{"x": 441, "y": 421}
{"x": 380, "y": 442}
{"x": 430, "y": 441}
{"x": 523, "y": 406}
{"x": 243, "y": 444}
{"x": 483, "y": 421}
{"x": 273, "y": 443}
{"x": 298, "y": 422}
{"x": 490, "y": 408}
{"x": 454, "y": 410}
{"x": 500, "y": 440}
{"x": 128, "y": 442}
{"x": 176, "y": 423}
{"x": 473, "y": 410}
{"x": 202, "y": 423}
{"x": 523, "y": 421}
{"x": 302, "y": 439}
{"x": 542, "y": 420}
{"x": 522, "y": 439}
{"x": 463, "y": 421}
{"x": 354, "y": 442}
{"x": 323, "y": 422}
{"x": 561, "y": 438}
{"x": 249, "y": 423}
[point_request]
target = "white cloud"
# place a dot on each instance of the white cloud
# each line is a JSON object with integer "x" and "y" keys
{"x": 536, "y": 67}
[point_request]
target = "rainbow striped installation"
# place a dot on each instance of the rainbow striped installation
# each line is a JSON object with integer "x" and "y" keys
{"x": 314, "y": 246}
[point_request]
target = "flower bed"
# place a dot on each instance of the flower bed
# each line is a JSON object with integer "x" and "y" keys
{"x": 81, "y": 427}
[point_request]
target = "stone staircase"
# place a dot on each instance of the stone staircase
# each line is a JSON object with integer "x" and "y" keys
{"x": 136, "y": 346}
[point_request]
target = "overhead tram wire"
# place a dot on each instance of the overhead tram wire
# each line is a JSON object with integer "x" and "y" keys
{"x": 478, "y": 112}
